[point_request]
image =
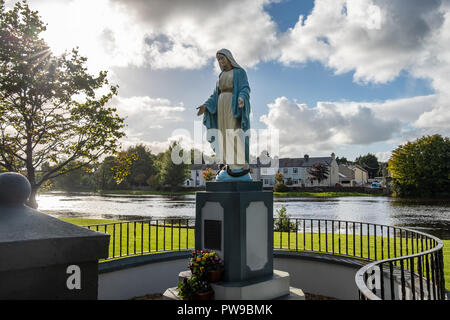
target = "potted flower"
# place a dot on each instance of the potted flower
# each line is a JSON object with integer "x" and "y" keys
{"x": 186, "y": 289}
{"x": 203, "y": 289}
{"x": 206, "y": 264}
{"x": 195, "y": 288}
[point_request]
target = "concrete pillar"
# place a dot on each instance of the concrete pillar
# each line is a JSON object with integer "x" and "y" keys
{"x": 42, "y": 257}
{"x": 235, "y": 219}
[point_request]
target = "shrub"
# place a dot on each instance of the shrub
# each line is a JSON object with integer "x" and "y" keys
{"x": 282, "y": 222}
{"x": 190, "y": 286}
{"x": 280, "y": 187}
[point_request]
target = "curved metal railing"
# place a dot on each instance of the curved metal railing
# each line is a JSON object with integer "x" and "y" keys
{"x": 400, "y": 263}
{"x": 418, "y": 276}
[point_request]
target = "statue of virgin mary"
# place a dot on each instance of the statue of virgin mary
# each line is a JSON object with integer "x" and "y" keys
{"x": 227, "y": 112}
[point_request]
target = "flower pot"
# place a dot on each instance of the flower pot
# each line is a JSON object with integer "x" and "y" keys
{"x": 204, "y": 295}
{"x": 214, "y": 275}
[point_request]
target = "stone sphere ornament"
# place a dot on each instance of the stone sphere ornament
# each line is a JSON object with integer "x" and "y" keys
{"x": 14, "y": 189}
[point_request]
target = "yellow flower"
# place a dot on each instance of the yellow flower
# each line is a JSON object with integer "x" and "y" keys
{"x": 199, "y": 259}
{"x": 202, "y": 268}
{"x": 203, "y": 259}
{"x": 206, "y": 255}
{"x": 195, "y": 264}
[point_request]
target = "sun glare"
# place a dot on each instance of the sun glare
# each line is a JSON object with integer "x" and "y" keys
{"x": 102, "y": 33}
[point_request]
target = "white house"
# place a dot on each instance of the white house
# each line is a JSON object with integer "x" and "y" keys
{"x": 294, "y": 170}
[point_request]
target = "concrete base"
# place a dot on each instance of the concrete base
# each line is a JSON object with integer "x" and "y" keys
{"x": 294, "y": 294}
{"x": 274, "y": 287}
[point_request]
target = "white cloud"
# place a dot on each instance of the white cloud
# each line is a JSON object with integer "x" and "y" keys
{"x": 374, "y": 39}
{"x": 324, "y": 126}
{"x": 383, "y": 156}
{"x": 148, "y": 118}
{"x": 160, "y": 34}
{"x": 377, "y": 40}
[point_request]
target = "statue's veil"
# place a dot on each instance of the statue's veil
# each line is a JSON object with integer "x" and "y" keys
{"x": 228, "y": 54}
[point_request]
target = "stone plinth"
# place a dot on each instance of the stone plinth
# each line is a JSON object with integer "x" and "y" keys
{"x": 43, "y": 257}
{"x": 236, "y": 220}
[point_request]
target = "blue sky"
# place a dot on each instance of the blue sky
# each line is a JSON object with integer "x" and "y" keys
{"x": 350, "y": 77}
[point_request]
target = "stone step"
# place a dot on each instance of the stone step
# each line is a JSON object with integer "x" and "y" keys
{"x": 257, "y": 289}
{"x": 184, "y": 274}
{"x": 294, "y": 294}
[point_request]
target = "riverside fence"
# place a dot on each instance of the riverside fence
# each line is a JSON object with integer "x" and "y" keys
{"x": 401, "y": 263}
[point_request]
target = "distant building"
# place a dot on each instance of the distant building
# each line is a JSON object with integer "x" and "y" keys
{"x": 352, "y": 175}
{"x": 294, "y": 170}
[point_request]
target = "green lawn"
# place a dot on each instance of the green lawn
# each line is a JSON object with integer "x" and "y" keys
{"x": 276, "y": 194}
{"x": 145, "y": 192}
{"x": 136, "y": 237}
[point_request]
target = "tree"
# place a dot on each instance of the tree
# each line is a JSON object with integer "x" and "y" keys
{"x": 73, "y": 180}
{"x": 280, "y": 186}
{"x": 283, "y": 223}
{"x": 342, "y": 160}
{"x": 172, "y": 174}
{"x": 112, "y": 172}
{"x": 422, "y": 167}
{"x": 370, "y": 163}
{"x": 50, "y": 106}
{"x": 142, "y": 167}
{"x": 318, "y": 171}
{"x": 279, "y": 177}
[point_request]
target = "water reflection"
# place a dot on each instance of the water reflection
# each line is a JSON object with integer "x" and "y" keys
{"x": 428, "y": 216}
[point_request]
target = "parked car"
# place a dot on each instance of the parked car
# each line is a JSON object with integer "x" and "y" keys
{"x": 375, "y": 185}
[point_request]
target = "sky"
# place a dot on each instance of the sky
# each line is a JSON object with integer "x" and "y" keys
{"x": 343, "y": 76}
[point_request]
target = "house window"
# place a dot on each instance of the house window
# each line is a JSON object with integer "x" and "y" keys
{"x": 294, "y": 170}
{"x": 196, "y": 173}
{"x": 295, "y": 181}
{"x": 266, "y": 181}
{"x": 285, "y": 170}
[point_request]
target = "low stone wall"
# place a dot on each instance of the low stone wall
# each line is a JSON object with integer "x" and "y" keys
{"x": 318, "y": 274}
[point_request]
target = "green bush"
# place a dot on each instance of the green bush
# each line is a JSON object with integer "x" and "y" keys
{"x": 280, "y": 187}
{"x": 421, "y": 168}
{"x": 282, "y": 222}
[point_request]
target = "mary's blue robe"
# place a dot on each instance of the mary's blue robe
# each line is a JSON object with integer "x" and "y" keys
{"x": 241, "y": 89}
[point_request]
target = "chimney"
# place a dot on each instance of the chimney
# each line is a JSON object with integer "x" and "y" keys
{"x": 333, "y": 156}
{"x": 306, "y": 157}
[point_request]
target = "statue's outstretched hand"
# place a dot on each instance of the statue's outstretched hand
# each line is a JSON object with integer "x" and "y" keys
{"x": 240, "y": 103}
{"x": 201, "y": 110}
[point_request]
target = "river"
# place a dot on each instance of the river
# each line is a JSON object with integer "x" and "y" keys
{"x": 428, "y": 216}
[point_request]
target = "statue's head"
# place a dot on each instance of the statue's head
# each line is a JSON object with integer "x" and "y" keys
{"x": 226, "y": 60}
{"x": 223, "y": 61}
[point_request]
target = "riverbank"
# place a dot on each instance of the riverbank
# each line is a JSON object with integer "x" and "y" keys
{"x": 324, "y": 194}
{"x": 291, "y": 194}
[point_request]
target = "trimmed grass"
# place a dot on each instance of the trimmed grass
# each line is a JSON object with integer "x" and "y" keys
{"x": 324, "y": 194}
{"x": 140, "y": 238}
{"x": 145, "y": 192}
{"x": 276, "y": 194}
